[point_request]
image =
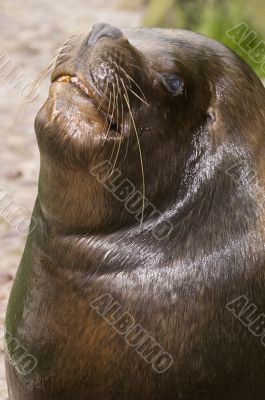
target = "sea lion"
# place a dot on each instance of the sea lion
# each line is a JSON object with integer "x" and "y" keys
{"x": 144, "y": 278}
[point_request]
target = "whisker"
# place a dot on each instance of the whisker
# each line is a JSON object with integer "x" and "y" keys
{"x": 107, "y": 120}
{"x": 37, "y": 82}
{"x": 122, "y": 121}
{"x": 103, "y": 96}
{"x": 108, "y": 129}
{"x": 118, "y": 67}
{"x": 115, "y": 101}
{"x": 58, "y": 58}
{"x": 136, "y": 66}
{"x": 128, "y": 140}
{"x": 136, "y": 84}
{"x": 135, "y": 94}
{"x": 139, "y": 147}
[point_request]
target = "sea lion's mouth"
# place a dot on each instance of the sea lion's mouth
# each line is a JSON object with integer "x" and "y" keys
{"x": 93, "y": 96}
{"x": 75, "y": 81}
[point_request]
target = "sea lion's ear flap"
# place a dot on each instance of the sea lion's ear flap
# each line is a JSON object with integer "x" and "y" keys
{"x": 214, "y": 122}
{"x": 211, "y": 116}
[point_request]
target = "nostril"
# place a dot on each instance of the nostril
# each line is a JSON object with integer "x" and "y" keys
{"x": 103, "y": 30}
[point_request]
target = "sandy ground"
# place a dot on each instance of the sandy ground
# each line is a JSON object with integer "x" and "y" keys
{"x": 31, "y": 31}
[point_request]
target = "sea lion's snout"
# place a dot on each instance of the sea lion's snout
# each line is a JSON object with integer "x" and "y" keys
{"x": 99, "y": 81}
{"x": 102, "y": 30}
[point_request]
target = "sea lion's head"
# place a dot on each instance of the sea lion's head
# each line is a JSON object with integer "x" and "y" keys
{"x": 161, "y": 108}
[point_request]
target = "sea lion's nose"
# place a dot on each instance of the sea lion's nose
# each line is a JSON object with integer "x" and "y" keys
{"x": 103, "y": 30}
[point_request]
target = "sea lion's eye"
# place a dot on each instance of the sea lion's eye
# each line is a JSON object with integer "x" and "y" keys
{"x": 173, "y": 83}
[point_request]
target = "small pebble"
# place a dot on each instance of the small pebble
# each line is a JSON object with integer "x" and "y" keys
{"x": 14, "y": 174}
{"x": 5, "y": 277}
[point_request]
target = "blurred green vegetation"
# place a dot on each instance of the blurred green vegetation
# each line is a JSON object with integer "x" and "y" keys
{"x": 214, "y": 18}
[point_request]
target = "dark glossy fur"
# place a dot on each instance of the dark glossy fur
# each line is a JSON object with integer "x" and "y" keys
{"x": 86, "y": 244}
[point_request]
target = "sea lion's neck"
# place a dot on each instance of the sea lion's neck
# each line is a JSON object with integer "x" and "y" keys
{"x": 76, "y": 202}
{"x": 212, "y": 208}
